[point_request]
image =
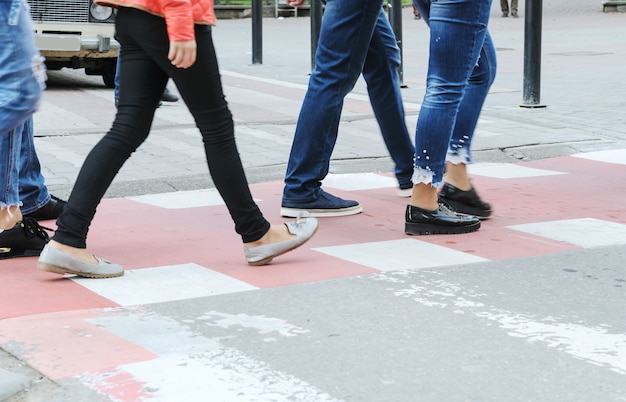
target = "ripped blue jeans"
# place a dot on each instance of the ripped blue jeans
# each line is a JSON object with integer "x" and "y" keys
{"x": 22, "y": 79}
{"x": 461, "y": 69}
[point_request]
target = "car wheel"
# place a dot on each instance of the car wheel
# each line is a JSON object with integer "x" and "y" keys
{"x": 108, "y": 73}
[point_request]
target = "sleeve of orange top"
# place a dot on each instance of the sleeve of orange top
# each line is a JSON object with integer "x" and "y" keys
{"x": 179, "y": 19}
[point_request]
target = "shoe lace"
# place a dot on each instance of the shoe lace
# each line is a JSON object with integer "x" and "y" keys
{"x": 34, "y": 229}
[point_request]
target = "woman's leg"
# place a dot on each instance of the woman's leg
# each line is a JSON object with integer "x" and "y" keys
{"x": 459, "y": 151}
{"x": 142, "y": 83}
{"x": 201, "y": 89}
{"x": 458, "y": 32}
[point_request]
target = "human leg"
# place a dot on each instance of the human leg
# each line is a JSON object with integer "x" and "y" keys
{"x": 22, "y": 76}
{"x": 504, "y": 5}
{"x": 22, "y": 72}
{"x": 345, "y": 36}
{"x": 10, "y": 143}
{"x": 143, "y": 82}
{"x": 383, "y": 83}
{"x": 479, "y": 83}
{"x": 37, "y": 202}
{"x": 116, "y": 79}
{"x": 458, "y": 31}
{"x": 514, "y": 8}
{"x": 20, "y": 236}
{"x": 33, "y": 191}
{"x": 144, "y": 73}
{"x": 458, "y": 191}
{"x": 201, "y": 88}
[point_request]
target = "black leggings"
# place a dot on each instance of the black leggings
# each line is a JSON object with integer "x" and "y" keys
{"x": 144, "y": 71}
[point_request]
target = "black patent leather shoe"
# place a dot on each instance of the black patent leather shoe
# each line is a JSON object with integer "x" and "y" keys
{"x": 51, "y": 210}
{"x": 465, "y": 202}
{"x": 443, "y": 220}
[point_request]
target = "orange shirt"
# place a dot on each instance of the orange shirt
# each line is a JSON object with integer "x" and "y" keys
{"x": 180, "y": 15}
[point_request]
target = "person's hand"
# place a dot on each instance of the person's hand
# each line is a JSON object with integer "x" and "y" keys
{"x": 183, "y": 54}
{"x": 295, "y": 3}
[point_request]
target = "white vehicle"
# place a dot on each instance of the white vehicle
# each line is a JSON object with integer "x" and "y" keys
{"x": 76, "y": 34}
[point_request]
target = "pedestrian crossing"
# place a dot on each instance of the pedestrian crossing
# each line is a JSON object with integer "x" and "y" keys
{"x": 181, "y": 245}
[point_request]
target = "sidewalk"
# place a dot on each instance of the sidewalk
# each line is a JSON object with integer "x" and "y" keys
{"x": 528, "y": 308}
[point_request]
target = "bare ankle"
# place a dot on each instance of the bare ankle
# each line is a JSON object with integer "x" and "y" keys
{"x": 9, "y": 216}
{"x": 424, "y": 196}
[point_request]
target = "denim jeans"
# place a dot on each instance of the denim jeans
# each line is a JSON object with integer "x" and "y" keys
{"x": 22, "y": 78}
{"x": 461, "y": 69}
{"x": 116, "y": 80}
{"x": 355, "y": 38}
{"x": 144, "y": 71}
{"x": 28, "y": 183}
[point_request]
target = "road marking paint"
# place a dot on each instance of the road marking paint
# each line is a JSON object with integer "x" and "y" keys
{"x": 585, "y": 232}
{"x": 163, "y": 284}
{"x": 508, "y": 171}
{"x": 403, "y": 254}
{"x": 593, "y": 344}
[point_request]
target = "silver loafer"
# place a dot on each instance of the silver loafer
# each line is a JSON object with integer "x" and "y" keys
{"x": 58, "y": 262}
{"x": 303, "y": 228}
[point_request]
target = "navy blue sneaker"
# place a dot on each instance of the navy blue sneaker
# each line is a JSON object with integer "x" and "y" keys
{"x": 325, "y": 205}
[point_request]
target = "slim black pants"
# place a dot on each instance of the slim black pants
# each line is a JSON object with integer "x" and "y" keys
{"x": 144, "y": 71}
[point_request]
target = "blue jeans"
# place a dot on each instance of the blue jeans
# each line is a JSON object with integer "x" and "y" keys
{"x": 355, "y": 38}
{"x": 116, "y": 79}
{"x": 22, "y": 77}
{"x": 461, "y": 69}
{"x": 25, "y": 178}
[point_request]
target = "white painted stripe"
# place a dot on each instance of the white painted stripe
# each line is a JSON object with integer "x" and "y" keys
{"x": 585, "y": 232}
{"x": 162, "y": 284}
{"x": 182, "y": 199}
{"x": 54, "y": 116}
{"x": 610, "y": 156}
{"x": 262, "y": 100}
{"x": 102, "y": 93}
{"x": 593, "y": 344}
{"x": 303, "y": 87}
{"x": 67, "y": 155}
{"x": 187, "y": 141}
{"x": 359, "y": 181}
{"x": 275, "y": 137}
{"x": 192, "y": 367}
{"x": 508, "y": 171}
{"x": 404, "y": 254}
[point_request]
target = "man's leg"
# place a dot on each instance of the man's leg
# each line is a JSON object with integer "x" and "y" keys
{"x": 33, "y": 191}
{"x": 19, "y": 236}
{"x": 10, "y": 212}
{"x": 37, "y": 203}
{"x": 504, "y": 5}
{"x": 514, "y": 8}
{"x": 383, "y": 84}
{"x": 22, "y": 76}
{"x": 345, "y": 36}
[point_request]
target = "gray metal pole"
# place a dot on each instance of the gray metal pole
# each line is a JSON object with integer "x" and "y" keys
{"x": 316, "y": 26}
{"x": 257, "y": 31}
{"x": 395, "y": 19}
{"x": 532, "y": 54}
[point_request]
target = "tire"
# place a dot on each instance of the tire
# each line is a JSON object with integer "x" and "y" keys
{"x": 108, "y": 73}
